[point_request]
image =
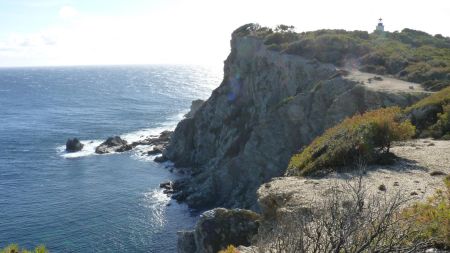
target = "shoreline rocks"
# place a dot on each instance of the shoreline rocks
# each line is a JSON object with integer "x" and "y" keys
{"x": 117, "y": 144}
{"x": 74, "y": 145}
{"x": 167, "y": 186}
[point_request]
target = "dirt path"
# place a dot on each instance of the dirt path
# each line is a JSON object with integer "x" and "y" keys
{"x": 383, "y": 83}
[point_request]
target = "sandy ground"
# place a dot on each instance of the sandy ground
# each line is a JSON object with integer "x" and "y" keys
{"x": 374, "y": 82}
{"x": 411, "y": 175}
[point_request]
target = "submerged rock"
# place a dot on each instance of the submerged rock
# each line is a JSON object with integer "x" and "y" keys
{"x": 219, "y": 228}
{"x": 74, "y": 145}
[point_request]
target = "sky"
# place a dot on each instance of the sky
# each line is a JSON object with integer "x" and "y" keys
{"x": 101, "y": 32}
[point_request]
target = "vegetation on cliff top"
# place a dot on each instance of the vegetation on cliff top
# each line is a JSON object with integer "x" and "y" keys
{"x": 368, "y": 136}
{"x": 409, "y": 55}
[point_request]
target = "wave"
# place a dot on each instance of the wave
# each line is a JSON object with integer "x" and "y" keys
{"x": 140, "y": 152}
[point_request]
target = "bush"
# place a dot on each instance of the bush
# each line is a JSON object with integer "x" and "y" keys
{"x": 439, "y": 98}
{"x": 349, "y": 219}
{"x": 431, "y": 115}
{"x": 432, "y": 218}
{"x": 14, "y": 248}
{"x": 229, "y": 249}
{"x": 367, "y": 136}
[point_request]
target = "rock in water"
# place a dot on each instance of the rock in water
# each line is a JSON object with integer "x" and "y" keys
{"x": 74, "y": 145}
{"x": 219, "y": 228}
{"x": 113, "y": 144}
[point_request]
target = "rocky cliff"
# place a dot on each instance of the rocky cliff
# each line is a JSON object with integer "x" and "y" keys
{"x": 268, "y": 105}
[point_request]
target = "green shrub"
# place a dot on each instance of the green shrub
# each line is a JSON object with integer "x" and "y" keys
{"x": 229, "y": 249}
{"x": 14, "y": 248}
{"x": 437, "y": 122}
{"x": 439, "y": 98}
{"x": 367, "y": 136}
{"x": 432, "y": 218}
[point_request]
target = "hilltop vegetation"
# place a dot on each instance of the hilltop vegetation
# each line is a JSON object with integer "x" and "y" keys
{"x": 410, "y": 55}
{"x": 368, "y": 136}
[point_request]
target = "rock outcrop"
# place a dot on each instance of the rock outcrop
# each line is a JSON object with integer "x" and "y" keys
{"x": 113, "y": 144}
{"x": 74, "y": 145}
{"x": 117, "y": 144}
{"x": 267, "y": 107}
{"x": 196, "y": 104}
{"x": 219, "y": 228}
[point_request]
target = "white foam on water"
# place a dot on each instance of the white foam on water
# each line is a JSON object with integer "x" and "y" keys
{"x": 140, "y": 152}
{"x": 88, "y": 149}
{"x": 156, "y": 201}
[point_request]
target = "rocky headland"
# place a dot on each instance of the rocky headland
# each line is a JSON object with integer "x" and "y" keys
{"x": 267, "y": 107}
{"x": 280, "y": 91}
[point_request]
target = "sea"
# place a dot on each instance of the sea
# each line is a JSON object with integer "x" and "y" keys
{"x": 84, "y": 202}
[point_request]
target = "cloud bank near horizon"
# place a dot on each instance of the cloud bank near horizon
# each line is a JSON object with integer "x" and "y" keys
{"x": 195, "y": 31}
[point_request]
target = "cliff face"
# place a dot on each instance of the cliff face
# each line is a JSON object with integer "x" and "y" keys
{"x": 267, "y": 107}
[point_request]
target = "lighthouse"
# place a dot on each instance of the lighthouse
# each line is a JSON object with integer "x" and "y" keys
{"x": 380, "y": 26}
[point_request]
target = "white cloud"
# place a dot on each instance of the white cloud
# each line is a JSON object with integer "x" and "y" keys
{"x": 197, "y": 31}
{"x": 67, "y": 12}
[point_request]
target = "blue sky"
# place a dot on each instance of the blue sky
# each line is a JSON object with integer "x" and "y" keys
{"x": 85, "y": 32}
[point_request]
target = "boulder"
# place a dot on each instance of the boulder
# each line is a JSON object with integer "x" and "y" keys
{"x": 219, "y": 228}
{"x": 74, "y": 145}
{"x": 113, "y": 144}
